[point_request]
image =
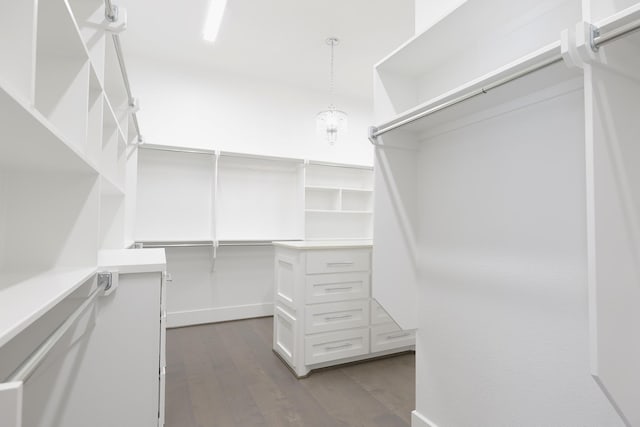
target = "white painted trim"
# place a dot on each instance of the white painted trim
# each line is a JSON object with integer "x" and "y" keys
{"x": 419, "y": 420}
{"x": 221, "y": 314}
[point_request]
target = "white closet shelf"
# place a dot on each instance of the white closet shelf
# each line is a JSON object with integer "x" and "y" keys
{"x": 38, "y": 144}
{"x": 26, "y": 296}
{"x": 553, "y": 76}
{"x": 336, "y": 211}
{"x": 463, "y": 28}
{"x": 327, "y": 188}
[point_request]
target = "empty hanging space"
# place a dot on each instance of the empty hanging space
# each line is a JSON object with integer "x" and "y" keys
{"x": 175, "y": 192}
{"x": 62, "y": 72}
{"x": 258, "y": 198}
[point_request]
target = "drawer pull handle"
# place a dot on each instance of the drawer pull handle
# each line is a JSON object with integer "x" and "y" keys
{"x": 344, "y": 316}
{"x": 337, "y": 347}
{"x": 342, "y": 288}
{"x": 339, "y": 263}
{"x": 402, "y": 335}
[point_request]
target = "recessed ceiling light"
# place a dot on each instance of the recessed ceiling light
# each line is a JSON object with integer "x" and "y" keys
{"x": 214, "y": 18}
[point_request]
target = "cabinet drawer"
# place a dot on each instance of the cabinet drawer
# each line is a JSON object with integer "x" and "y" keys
{"x": 390, "y": 336}
{"x": 379, "y": 314}
{"x": 338, "y": 261}
{"x": 337, "y": 287}
{"x": 336, "y": 345}
{"x": 336, "y": 315}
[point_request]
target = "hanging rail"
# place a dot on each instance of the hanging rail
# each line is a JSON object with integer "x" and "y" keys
{"x": 375, "y": 132}
{"x": 111, "y": 13}
{"x": 613, "y": 35}
{"x": 252, "y": 242}
{"x": 175, "y": 244}
{"x": 598, "y": 39}
{"x": 31, "y": 364}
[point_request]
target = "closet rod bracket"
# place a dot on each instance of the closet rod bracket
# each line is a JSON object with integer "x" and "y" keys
{"x": 594, "y": 34}
{"x": 108, "y": 281}
{"x": 373, "y": 138}
{"x": 116, "y": 20}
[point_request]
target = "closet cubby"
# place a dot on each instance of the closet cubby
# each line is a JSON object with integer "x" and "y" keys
{"x": 462, "y": 47}
{"x": 94, "y": 118}
{"x": 62, "y": 72}
{"x": 90, "y": 18}
{"x": 113, "y": 145}
{"x": 114, "y": 83}
{"x": 17, "y": 45}
{"x": 338, "y": 202}
{"x": 357, "y": 200}
{"x": 322, "y": 198}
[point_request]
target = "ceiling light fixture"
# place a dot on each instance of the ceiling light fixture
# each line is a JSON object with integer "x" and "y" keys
{"x": 331, "y": 122}
{"x": 214, "y": 19}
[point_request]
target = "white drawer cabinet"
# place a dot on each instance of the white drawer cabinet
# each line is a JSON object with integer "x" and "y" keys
{"x": 324, "y": 314}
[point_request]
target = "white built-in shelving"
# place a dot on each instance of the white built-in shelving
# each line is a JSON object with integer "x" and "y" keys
{"x": 488, "y": 187}
{"x": 338, "y": 202}
{"x": 188, "y": 194}
{"x": 62, "y": 154}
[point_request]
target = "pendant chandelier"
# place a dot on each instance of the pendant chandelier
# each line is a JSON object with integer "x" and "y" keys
{"x": 331, "y": 122}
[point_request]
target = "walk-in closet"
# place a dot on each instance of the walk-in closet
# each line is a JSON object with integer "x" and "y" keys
{"x": 232, "y": 213}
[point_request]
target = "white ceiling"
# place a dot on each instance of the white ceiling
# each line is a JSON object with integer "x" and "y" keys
{"x": 281, "y": 40}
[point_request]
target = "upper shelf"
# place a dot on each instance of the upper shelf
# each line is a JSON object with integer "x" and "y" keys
{"x": 541, "y": 84}
{"x": 462, "y": 47}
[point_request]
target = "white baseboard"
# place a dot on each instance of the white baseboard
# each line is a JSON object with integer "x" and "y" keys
{"x": 419, "y": 420}
{"x": 177, "y": 319}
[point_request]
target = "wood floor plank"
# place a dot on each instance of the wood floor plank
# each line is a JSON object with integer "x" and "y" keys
{"x": 226, "y": 375}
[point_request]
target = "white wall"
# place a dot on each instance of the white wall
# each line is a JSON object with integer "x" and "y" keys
{"x": 428, "y": 12}
{"x": 186, "y": 106}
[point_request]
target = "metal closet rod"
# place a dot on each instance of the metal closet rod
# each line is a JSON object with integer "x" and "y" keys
{"x": 176, "y": 244}
{"x": 31, "y": 364}
{"x": 111, "y": 13}
{"x": 615, "y": 34}
{"x": 598, "y": 40}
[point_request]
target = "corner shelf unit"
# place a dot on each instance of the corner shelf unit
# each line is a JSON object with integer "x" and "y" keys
{"x": 62, "y": 154}
{"x": 338, "y": 202}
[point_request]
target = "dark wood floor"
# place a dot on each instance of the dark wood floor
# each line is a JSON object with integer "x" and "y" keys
{"x": 225, "y": 375}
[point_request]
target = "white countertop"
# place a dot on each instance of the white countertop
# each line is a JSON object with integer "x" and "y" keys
{"x": 325, "y": 244}
{"x": 133, "y": 260}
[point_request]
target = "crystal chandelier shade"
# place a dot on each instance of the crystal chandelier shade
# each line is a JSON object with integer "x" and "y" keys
{"x": 332, "y": 122}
